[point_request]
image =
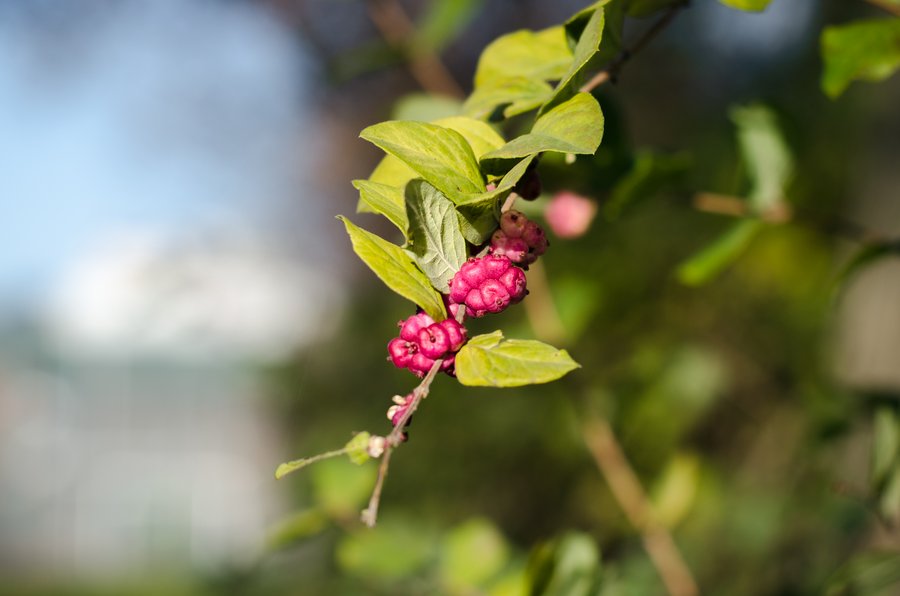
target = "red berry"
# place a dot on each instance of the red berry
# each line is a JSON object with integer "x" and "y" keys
{"x": 401, "y": 352}
{"x": 513, "y": 223}
{"x": 433, "y": 341}
{"x": 514, "y": 282}
{"x": 489, "y": 294}
{"x": 456, "y": 334}
{"x": 420, "y": 364}
{"x": 409, "y": 329}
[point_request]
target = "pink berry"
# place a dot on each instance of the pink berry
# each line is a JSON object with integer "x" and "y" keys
{"x": 495, "y": 266}
{"x": 401, "y": 352}
{"x": 488, "y": 294}
{"x": 449, "y": 366}
{"x": 433, "y": 341}
{"x": 569, "y": 215}
{"x": 495, "y": 296}
{"x": 514, "y": 249}
{"x": 409, "y": 329}
{"x": 420, "y": 364}
{"x": 534, "y": 235}
{"x": 514, "y": 282}
{"x": 456, "y": 334}
{"x": 472, "y": 271}
{"x": 513, "y": 223}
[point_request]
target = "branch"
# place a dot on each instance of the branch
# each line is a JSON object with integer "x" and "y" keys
{"x": 882, "y": 4}
{"x": 627, "y": 490}
{"x": 610, "y": 459}
{"x": 611, "y": 72}
{"x": 837, "y": 226}
{"x": 397, "y": 29}
{"x": 394, "y": 439}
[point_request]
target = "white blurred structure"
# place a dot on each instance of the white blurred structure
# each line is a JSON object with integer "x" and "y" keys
{"x": 235, "y": 298}
{"x": 133, "y": 439}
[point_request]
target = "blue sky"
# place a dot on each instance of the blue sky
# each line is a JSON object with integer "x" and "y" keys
{"x": 172, "y": 115}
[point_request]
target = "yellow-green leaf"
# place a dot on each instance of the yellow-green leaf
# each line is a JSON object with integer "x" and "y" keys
{"x": 382, "y": 199}
{"x": 575, "y": 126}
{"x": 493, "y": 361}
{"x": 435, "y": 238}
{"x": 864, "y": 50}
{"x": 396, "y": 269}
{"x": 751, "y": 5}
{"x": 440, "y": 155}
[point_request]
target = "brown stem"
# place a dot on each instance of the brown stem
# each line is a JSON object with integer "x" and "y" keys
{"x": 611, "y": 72}
{"x": 837, "y": 226}
{"x": 394, "y": 439}
{"x": 627, "y": 490}
{"x": 736, "y": 207}
{"x": 891, "y": 8}
{"x": 610, "y": 459}
{"x": 396, "y": 27}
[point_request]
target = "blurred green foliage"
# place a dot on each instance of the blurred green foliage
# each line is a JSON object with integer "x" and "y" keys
{"x": 773, "y": 476}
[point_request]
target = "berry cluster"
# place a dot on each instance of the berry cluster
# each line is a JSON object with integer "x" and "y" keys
{"x": 422, "y": 341}
{"x": 487, "y": 285}
{"x": 519, "y": 239}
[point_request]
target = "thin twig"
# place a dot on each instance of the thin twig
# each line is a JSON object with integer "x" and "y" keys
{"x": 837, "y": 226}
{"x": 736, "y": 207}
{"x": 397, "y": 28}
{"x": 611, "y": 72}
{"x": 891, "y": 8}
{"x": 394, "y": 439}
{"x": 627, "y": 490}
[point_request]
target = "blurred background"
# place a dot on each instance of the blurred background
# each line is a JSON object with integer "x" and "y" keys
{"x": 180, "y": 312}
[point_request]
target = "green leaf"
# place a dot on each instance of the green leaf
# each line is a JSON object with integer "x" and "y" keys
{"x": 569, "y": 566}
{"x": 436, "y": 240}
{"x": 443, "y": 21}
{"x": 676, "y": 491}
{"x": 472, "y": 554}
{"x": 297, "y": 528}
{"x": 889, "y": 496}
{"x": 711, "y": 260}
{"x": 767, "y": 157}
{"x": 396, "y": 269}
{"x": 384, "y": 200}
{"x": 425, "y": 107}
{"x": 650, "y": 174}
{"x": 478, "y": 214}
{"x": 864, "y": 50}
{"x": 392, "y": 172}
{"x": 341, "y": 487}
{"x": 866, "y": 574}
{"x": 538, "y": 56}
{"x": 586, "y": 30}
{"x": 493, "y": 361}
{"x": 575, "y": 126}
{"x": 480, "y": 136}
{"x": 357, "y": 448}
{"x": 885, "y": 445}
{"x": 751, "y": 5}
{"x": 391, "y": 551}
{"x": 441, "y": 156}
{"x": 515, "y": 95}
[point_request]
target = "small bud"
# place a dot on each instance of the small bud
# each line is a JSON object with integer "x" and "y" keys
{"x": 376, "y": 446}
